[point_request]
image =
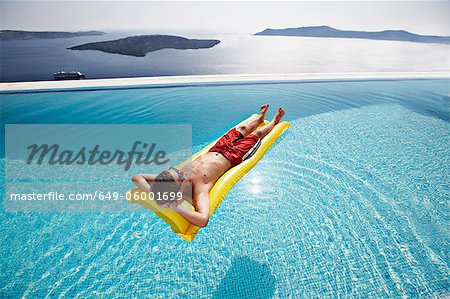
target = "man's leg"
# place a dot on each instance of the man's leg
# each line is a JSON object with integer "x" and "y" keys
{"x": 250, "y": 126}
{"x": 263, "y": 131}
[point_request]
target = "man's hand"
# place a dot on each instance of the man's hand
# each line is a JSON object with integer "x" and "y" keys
{"x": 143, "y": 181}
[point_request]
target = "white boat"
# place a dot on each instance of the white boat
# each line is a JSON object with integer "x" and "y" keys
{"x": 61, "y": 75}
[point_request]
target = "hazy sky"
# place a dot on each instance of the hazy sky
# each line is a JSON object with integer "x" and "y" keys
{"x": 424, "y": 17}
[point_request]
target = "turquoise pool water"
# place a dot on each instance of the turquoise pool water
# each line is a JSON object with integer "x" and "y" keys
{"x": 352, "y": 202}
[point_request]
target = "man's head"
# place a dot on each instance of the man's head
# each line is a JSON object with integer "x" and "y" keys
{"x": 167, "y": 186}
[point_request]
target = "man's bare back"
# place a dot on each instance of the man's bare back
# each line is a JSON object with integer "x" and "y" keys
{"x": 197, "y": 178}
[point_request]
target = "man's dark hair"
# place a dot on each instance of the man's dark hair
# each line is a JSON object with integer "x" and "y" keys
{"x": 164, "y": 184}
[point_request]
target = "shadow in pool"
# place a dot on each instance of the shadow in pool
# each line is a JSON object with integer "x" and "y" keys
{"x": 246, "y": 279}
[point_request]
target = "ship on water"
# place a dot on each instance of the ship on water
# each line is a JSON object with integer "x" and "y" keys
{"x": 61, "y": 75}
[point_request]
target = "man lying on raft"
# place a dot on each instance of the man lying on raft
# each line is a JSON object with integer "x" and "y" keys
{"x": 197, "y": 178}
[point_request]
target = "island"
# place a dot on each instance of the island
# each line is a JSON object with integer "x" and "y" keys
{"x": 139, "y": 46}
{"x": 6, "y": 35}
{"x": 326, "y": 31}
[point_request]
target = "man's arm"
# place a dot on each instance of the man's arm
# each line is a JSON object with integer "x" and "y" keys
{"x": 200, "y": 216}
{"x": 143, "y": 181}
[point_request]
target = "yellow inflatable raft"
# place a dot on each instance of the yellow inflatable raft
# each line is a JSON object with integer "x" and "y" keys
{"x": 181, "y": 226}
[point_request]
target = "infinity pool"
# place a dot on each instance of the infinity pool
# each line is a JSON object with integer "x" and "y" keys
{"x": 352, "y": 202}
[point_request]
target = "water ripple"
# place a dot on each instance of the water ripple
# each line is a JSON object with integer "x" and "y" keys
{"x": 347, "y": 204}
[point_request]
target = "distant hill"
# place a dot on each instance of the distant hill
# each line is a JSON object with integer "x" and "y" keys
{"x": 140, "y": 45}
{"x": 325, "y": 31}
{"x": 25, "y": 35}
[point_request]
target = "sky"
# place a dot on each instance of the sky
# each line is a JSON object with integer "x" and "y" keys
{"x": 422, "y": 17}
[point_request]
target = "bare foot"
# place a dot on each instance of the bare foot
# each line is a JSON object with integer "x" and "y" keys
{"x": 262, "y": 112}
{"x": 279, "y": 115}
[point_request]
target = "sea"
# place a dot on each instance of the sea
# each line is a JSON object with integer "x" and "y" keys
{"x": 237, "y": 53}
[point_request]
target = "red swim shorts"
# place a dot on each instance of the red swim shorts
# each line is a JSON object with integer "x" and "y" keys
{"x": 235, "y": 147}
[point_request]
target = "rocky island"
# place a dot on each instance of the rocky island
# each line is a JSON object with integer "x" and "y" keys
{"x": 140, "y": 45}
{"x": 326, "y": 31}
{"x": 6, "y": 35}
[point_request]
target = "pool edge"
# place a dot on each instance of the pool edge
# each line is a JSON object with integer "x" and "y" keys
{"x": 168, "y": 80}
